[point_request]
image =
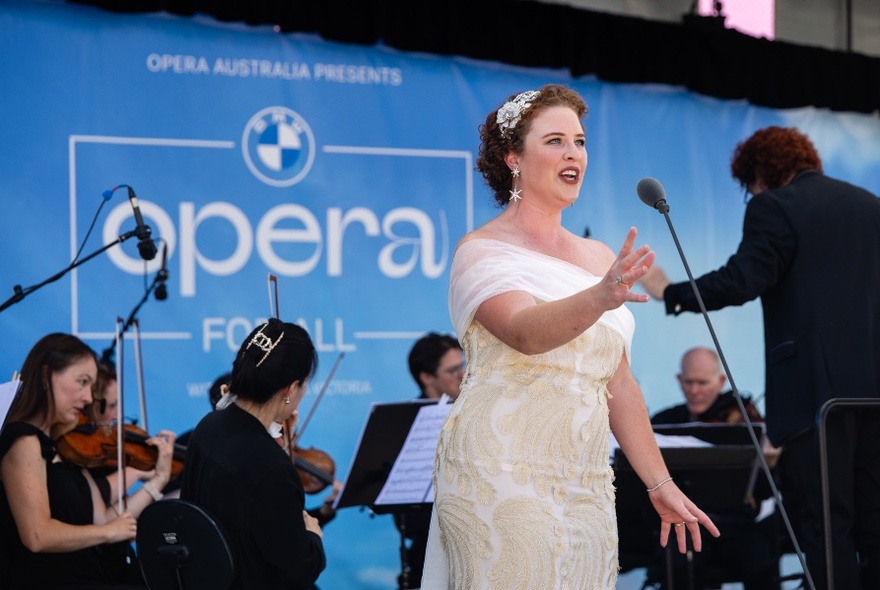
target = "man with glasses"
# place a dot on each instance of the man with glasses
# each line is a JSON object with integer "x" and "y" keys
{"x": 436, "y": 363}
{"x": 811, "y": 251}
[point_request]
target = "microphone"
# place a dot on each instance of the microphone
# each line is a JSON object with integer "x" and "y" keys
{"x": 651, "y": 193}
{"x": 146, "y": 247}
{"x": 162, "y": 276}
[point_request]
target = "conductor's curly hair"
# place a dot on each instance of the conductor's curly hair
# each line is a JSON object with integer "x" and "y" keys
{"x": 773, "y": 155}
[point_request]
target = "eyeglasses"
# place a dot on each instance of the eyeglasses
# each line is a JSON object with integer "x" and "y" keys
{"x": 452, "y": 370}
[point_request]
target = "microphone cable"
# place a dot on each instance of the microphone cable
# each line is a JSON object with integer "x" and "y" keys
{"x": 651, "y": 193}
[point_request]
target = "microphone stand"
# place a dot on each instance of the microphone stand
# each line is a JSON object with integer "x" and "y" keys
{"x": 107, "y": 354}
{"x": 663, "y": 208}
{"x": 20, "y": 293}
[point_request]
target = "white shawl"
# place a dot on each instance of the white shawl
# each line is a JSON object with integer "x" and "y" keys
{"x": 483, "y": 268}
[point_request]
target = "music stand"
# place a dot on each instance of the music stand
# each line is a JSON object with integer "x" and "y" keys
{"x": 386, "y": 430}
{"x": 180, "y": 547}
{"x": 9, "y": 391}
{"x": 714, "y": 433}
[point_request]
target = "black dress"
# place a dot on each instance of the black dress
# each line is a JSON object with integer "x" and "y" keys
{"x": 70, "y": 501}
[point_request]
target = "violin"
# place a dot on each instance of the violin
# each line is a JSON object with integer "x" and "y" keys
{"x": 731, "y": 414}
{"x": 316, "y": 469}
{"x": 93, "y": 445}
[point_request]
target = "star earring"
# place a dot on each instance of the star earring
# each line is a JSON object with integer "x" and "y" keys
{"x": 515, "y": 192}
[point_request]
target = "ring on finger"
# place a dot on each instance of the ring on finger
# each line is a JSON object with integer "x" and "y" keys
{"x": 619, "y": 280}
{"x": 679, "y": 524}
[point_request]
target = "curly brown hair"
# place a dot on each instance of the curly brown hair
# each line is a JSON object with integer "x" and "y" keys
{"x": 773, "y": 155}
{"x": 494, "y": 146}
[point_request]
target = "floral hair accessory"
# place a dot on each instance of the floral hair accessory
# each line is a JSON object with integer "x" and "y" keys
{"x": 264, "y": 343}
{"x": 510, "y": 112}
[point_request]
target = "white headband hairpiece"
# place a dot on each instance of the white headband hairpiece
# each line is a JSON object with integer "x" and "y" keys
{"x": 511, "y": 111}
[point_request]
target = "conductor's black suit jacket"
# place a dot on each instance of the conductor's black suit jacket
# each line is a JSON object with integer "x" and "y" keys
{"x": 811, "y": 251}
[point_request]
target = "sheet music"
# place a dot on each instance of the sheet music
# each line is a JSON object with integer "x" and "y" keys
{"x": 7, "y": 394}
{"x": 664, "y": 441}
{"x": 411, "y": 478}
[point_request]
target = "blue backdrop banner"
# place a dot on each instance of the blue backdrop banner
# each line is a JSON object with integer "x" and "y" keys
{"x": 348, "y": 173}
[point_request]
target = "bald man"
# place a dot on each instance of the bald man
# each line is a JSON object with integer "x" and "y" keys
{"x": 703, "y": 383}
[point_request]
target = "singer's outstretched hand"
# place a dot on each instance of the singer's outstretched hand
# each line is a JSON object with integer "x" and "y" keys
{"x": 630, "y": 266}
{"x": 655, "y": 282}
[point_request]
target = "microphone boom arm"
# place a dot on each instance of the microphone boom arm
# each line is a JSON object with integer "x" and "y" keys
{"x": 20, "y": 293}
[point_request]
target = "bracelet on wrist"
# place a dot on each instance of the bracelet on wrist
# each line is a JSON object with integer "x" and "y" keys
{"x": 151, "y": 489}
{"x": 657, "y": 487}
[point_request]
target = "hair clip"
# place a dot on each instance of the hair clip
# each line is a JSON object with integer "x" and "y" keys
{"x": 510, "y": 112}
{"x": 264, "y": 343}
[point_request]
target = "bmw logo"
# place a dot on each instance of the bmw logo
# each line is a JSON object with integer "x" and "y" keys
{"x": 278, "y": 146}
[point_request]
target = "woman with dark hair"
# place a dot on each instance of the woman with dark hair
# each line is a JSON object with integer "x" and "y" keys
{"x": 239, "y": 474}
{"x": 54, "y": 527}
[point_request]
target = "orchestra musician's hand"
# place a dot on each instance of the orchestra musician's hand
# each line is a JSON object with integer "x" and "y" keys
{"x": 164, "y": 442}
{"x": 153, "y": 481}
{"x": 327, "y": 506}
{"x": 679, "y": 514}
{"x": 121, "y": 528}
{"x": 312, "y": 524}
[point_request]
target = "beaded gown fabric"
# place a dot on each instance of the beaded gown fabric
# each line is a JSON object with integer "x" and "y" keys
{"x": 524, "y": 494}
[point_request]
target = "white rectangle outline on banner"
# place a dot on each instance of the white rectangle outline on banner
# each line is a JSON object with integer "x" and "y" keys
{"x": 466, "y": 156}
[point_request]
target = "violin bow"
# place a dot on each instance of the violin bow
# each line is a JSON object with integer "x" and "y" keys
{"x": 273, "y": 297}
{"x": 139, "y": 368}
{"x": 327, "y": 381}
{"x": 120, "y": 467}
{"x": 272, "y": 284}
{"x": 273, "y": 305}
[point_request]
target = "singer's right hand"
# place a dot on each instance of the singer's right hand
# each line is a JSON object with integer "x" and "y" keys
{"x": 655, "y": 282}
{"x": 624, "y": 272}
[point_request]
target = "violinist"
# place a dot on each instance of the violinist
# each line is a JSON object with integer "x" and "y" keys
{"x": 318, "y": 461}
{"x": 103, "y": 412}
{"x": 746, "y": 549}
{"x": 53, "y": 523}
{"x": 239, "y": 474}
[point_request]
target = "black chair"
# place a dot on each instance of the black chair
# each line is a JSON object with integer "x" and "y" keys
{"x": 181, "y": 547}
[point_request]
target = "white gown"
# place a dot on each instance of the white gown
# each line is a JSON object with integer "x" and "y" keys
{"x": 524, "y": 492}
